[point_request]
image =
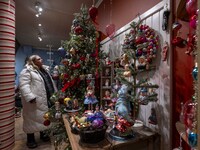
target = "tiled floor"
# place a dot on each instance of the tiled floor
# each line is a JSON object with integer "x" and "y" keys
{"x": 20, "y": 139}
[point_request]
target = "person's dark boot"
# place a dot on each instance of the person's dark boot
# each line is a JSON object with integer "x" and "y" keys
{"x": 31, "y": 141}
{"x": 44, "y": 137}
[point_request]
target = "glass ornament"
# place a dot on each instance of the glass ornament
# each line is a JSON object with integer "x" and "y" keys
{"x": 195, "y": 72}
{"x": 190, "y": 109}
{"x": 192, "y": 139}
{"x": 191, "y": 7}
{"x": 61, "y": 51}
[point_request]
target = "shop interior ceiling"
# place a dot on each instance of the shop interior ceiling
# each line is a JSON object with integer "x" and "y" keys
{"x": 55, "y": 19}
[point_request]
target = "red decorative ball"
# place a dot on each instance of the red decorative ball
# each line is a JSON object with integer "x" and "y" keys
{"x": 46, "y": 122}
{"x": 78, "y": 30}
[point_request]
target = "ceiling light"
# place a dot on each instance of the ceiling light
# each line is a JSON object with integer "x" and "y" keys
{"x": 39, "y": 24}
{"x": 39, "y": 37}
{"x": 38, "y": 8}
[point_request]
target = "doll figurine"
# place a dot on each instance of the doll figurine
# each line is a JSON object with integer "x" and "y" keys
{"x": 127, "y": 72}
{"x": 142, "y": 63}
{"x": 143, "y": 99}
{"x": 107, "y": 95}
{"x": 152, "y": 118}
{"x": 107, "y": 72}
{"x": 107, "y": 82}
{"x": 90, "y": 98}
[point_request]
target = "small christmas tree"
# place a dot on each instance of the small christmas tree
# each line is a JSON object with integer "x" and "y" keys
{"x": 139, "y": 50}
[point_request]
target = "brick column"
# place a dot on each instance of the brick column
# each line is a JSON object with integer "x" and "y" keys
{"x": 7, "y": 74}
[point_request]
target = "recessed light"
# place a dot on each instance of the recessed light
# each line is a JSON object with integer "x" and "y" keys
{"x": 39, "y": 24}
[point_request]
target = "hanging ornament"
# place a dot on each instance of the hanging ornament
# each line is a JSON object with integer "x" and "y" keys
{"x": 189, "y": 114}
{"x": 193, "y": 21}
{"x": 195, "y": 72}
{"x": 58, "y": 115}
{"x": 72, "y": 51}
{"x": 176, "y": 26}
{"x": 78, "y": 30}
{"x": 192, "y": 139}
{"x": 191, "y": 43}
{"x": 46, "y": 122}
{"x": 93, "y": 12}
{"x": 191, "y": 7}
{"x": 75, "y": 22}
{"x": 61, "y": 51}
{"x": 165, "y": 51}
{"x": 165, "y": 20}
{"x": 110, "y": 30}
{"x": 179, "y": 42}
{"x": 46, "y": 116}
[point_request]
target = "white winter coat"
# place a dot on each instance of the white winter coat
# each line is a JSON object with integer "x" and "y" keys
{"x": 32, "y": 86}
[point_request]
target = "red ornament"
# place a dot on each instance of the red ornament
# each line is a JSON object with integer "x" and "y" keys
{"x": 120, "y": 127}
{"x": 191, "y": 7}
{"x": 193, "y": 21}
{"x": 110, "y": 30}
{"x": 76, "y": 66}
{"x": 46, "y": 122}
{"x": 93, "y": 12}
{"x": 179, "y": 42}
{"x": 78, "y": 30}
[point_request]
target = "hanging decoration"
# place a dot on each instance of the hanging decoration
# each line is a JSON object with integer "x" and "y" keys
{"x": 165, "y": 51}
{"x": 190, "y": 107}
{"x": 110, "y": 28}
{"x": 165, "y": 20}
{"x": 93, "y": 12}
{"x": 191, "y": 7}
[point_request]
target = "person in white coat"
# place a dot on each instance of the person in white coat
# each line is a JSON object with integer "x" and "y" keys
{"x": 36, "y": 87}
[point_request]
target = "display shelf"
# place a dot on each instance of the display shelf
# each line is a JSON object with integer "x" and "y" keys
{"x": 106, "y": 81}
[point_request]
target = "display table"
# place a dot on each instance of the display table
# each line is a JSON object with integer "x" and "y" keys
{"x": 145, "y": 139}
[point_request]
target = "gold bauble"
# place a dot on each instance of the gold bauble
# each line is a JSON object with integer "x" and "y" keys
{"x": 46, "y": 116}
{"x": 72, "y": 51}
{"x": 66, "y": 100}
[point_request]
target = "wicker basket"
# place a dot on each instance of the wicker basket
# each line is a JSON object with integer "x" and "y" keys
{"x": 92, "y": 136}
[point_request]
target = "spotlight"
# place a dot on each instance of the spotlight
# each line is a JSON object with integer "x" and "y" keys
{"x": 39, "y": 37}
{"x": 38, "y": 8}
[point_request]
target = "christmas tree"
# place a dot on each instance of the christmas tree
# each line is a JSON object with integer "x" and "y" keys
{"x": 139, "y": 51}
{"x": 81, "y": 54}
{"x": 78, "y": 70}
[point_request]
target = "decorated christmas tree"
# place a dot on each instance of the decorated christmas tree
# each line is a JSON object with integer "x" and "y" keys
{"x": 78, "y": 71}
{"x": 81, "y": 53}
{"x": 136, "y": 63}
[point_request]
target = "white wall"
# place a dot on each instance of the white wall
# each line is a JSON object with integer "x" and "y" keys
{"x": 161, "y": 76}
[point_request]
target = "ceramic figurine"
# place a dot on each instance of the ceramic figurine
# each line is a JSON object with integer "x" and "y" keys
{"x": 152, "y": 118}
{"x": 107, "y": 82}
{"x": 90, "y": 98}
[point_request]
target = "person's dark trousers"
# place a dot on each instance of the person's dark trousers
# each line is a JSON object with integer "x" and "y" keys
{"x": 31, "y": 141}
{"x": 44, "y": 137}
